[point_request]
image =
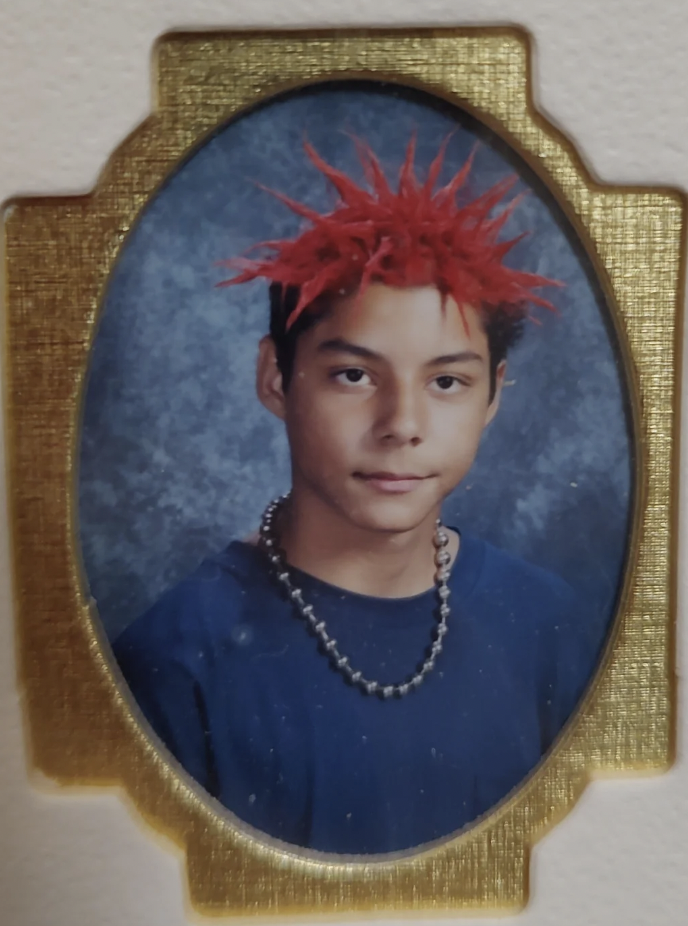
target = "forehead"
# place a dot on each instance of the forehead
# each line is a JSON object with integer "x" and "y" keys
{"x": 408, "y": 320}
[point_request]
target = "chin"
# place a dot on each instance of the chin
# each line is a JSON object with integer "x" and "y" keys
{"x": 390, "y": 515}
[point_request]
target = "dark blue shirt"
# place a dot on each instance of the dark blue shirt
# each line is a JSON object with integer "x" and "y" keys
{"x": 234, "y": 685}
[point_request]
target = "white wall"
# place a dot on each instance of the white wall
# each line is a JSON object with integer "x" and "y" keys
{"x": 74, "y": 80}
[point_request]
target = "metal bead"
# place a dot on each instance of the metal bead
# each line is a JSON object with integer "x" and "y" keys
{"x": 339, "y": 661}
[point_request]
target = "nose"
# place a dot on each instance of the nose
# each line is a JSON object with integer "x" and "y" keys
{"x": 401, "y": 414}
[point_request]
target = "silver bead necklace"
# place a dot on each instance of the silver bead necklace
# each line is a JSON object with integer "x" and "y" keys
{"x": 269, "y": 543}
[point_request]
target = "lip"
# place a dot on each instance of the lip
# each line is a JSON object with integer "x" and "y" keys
{"x": 391, "y": 483}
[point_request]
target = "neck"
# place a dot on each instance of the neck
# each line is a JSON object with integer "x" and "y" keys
{"x": 320, "y": 541}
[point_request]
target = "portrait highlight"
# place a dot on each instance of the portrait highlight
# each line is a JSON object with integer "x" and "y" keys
{"x": 355, "y": 468}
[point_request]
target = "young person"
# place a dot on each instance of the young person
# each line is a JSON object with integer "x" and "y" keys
{"x": 358, "y": 678}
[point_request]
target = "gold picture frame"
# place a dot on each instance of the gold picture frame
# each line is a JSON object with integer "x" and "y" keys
{"x": 59, "y": 253}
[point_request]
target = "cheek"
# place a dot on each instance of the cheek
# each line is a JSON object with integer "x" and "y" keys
{"x": 460, "y": 427}
{"x": 318, "y": 433}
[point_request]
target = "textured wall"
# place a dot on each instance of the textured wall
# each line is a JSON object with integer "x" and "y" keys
{"x": 178, "y": 456}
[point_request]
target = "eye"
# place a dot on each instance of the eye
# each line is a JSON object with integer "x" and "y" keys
{"x": 446, "y": 383}
{"x": 352, "y": 376}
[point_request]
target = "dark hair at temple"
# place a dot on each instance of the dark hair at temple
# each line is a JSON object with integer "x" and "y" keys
{"x": 503, "y": 327}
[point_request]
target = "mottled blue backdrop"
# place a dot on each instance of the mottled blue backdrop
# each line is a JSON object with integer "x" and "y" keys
{"x": 177, "y": 455}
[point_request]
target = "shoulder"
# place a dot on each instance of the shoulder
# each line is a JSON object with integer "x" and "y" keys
{"x": 540, "y": 620}
{"x": 510, "y": 573}
{"x": 509, "y": 590}
{"x": 199, "y": 611}
{"x": 498, "y": 573}
{"x": 547, "y": 633}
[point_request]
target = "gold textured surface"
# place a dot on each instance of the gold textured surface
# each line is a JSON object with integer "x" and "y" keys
{"x": 58, "y": 255}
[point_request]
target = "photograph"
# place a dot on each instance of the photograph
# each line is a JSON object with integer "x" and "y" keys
{"x": 356, "y": 468}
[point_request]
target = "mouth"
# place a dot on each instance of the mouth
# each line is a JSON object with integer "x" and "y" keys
{"x": 391, "y": 483}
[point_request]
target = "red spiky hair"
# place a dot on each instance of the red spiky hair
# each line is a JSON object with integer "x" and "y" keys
{"x": 414, "y": 237}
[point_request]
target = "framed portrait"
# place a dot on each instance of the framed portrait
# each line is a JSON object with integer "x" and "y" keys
{"x": 345, "y": 407}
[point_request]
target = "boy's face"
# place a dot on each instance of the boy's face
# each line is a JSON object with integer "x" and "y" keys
{"x": 386, "y": 404}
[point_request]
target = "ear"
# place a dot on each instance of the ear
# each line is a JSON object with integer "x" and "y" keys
{"x": 269, "y": 379}
{"x": 499, "y": 383}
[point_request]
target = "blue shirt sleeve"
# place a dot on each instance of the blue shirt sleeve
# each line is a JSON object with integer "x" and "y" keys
{"x": 156, "y": 657}
{"x": 570, "y": 653}
{"x": 217, "y": 705}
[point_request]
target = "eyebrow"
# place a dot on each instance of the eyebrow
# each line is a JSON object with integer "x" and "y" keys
{"x": 341, "y": 345}
{"x": 461, "y": 357}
